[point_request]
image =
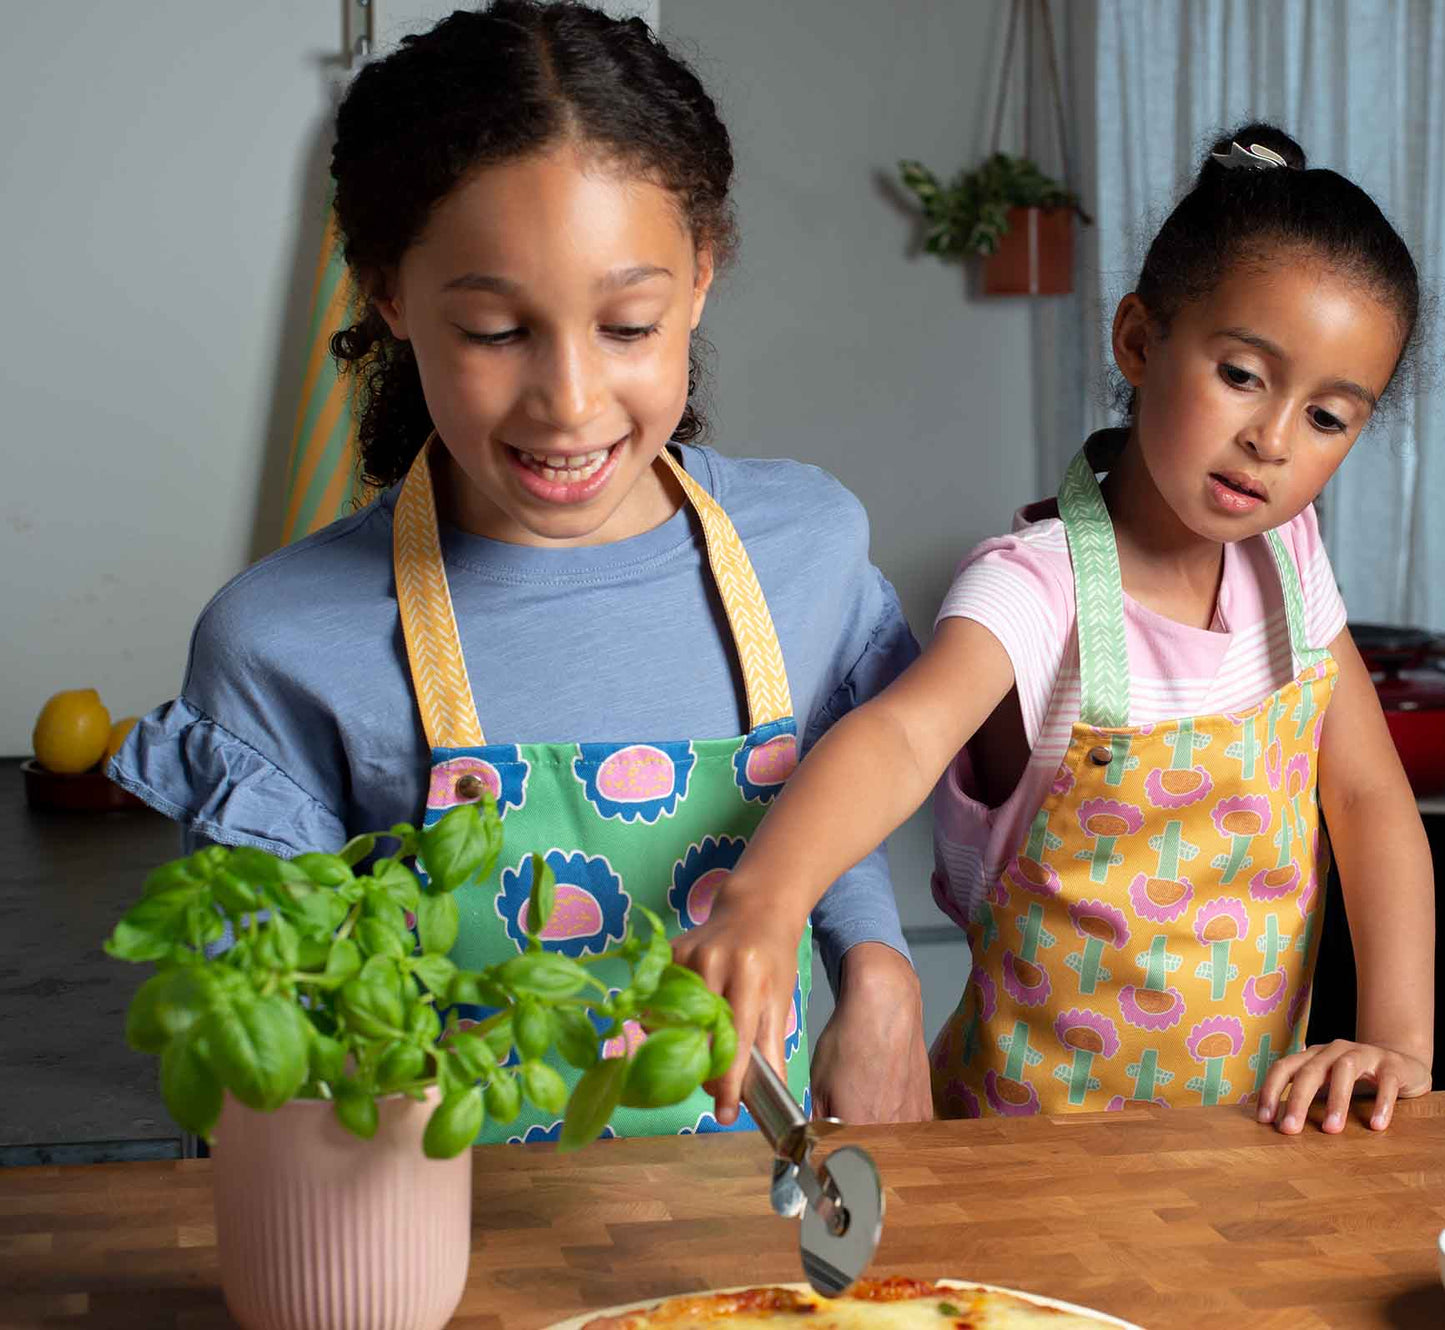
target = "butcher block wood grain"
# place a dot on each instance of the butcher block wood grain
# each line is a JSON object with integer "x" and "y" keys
{"x": 1172, "y": 1218}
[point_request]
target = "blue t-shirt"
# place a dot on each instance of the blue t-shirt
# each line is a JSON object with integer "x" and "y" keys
{"x": 296, "y": 727}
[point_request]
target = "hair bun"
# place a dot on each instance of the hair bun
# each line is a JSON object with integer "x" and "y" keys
{"x": 1247, "y": 136}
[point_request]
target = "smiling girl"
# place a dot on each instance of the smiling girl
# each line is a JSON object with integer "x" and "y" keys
{"x": 535, "y": 201}
{"x": 1141, "y": 700}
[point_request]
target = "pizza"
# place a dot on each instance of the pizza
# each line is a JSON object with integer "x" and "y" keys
{"x": 871, "y": 1304}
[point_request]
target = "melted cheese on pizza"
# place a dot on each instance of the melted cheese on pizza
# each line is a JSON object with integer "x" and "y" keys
{"x": 871, "y": 1304}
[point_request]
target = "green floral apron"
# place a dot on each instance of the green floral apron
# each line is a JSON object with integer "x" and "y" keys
{"x": 659, "y": 822}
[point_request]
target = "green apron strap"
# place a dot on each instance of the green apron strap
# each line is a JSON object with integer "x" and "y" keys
{"x": 1098, "y": 599}
{"x": 1291, "y": 582}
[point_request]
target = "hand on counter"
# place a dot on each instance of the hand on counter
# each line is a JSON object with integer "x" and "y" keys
{"x": 1338, "y": 1068}
{"x": 870, "y": 1063}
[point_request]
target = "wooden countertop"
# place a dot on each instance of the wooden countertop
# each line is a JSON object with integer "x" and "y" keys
{"x": 1185, "y": 1218}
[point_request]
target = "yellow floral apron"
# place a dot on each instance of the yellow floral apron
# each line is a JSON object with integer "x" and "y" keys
{"x": 1155, "y": 935}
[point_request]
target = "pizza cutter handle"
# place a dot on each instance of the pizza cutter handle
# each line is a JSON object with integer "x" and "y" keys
{"x": 774, "y": 1109}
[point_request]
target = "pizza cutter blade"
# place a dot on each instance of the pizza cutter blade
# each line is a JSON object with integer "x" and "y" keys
{"x": 840, "y": 1200}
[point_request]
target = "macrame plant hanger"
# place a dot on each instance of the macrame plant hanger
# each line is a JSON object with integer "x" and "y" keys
{"x": 1036, "y": 254}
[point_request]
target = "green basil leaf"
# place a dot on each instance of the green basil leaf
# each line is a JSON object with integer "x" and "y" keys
{"x": 545, "y": 974}
{"x": 380, "y": 939}
{"x": 667, "y": 1068}
{"x": 398, "y": 882}
{"x": 454, "y": 1125}
{"x": 167, "y": 1005}
{"x": 152, "y": 927}
{"x": 312, "y": 953}
{"x": 473, "y": 1055}
{"x": 328, "y": 1058}
{"x": 343, "y": 961}
{"x": 207, "y": 859}
{"x": 681, "y": 998}
{"x": 544, "y": 1086}
{"x": 436, "y": 972}
{"x": 400, "y": 1064}
{"x": 543, "y": 897}
{"x": 499, "y": 1038}
{"x": 234, "y": 892}
{"x": 190, "y": 1088}
{"x": 259, "y": 1049}
{"x": 503, "y": 1096}
{"x": 462, "y": 846}
{"x": 326, "y": 870}
{"x": 476, "y": 990}
{"x": 170, "y": 876}
{"x": 593, "y": 1101}
{"x": 531, "y": 1028}
{"x": 577, "y": 1039}
{"x": 655, "y": 960}
{"x": 438, "y": 922}
{"x": 355, "y": 1109}
{"x": 356, "y": 849}
{"x": 261, "y": 868}
{"x": 371, "y": 1007}
{"x": 287, "y": 943}
{"x": 322, "y": 909}
{"x": 376, "y": 904}
{"x": 423, "y": 1024}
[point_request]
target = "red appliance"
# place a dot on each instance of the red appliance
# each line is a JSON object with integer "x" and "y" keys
{"x": 1407, "y": 666}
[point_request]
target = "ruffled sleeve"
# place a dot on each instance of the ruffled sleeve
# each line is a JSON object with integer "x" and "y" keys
{"x": 218, "y": 787}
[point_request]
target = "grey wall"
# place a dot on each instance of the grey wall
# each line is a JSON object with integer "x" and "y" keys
{"x": 836, "y": 342}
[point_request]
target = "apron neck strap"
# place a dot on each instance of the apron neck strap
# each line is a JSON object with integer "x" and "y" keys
{"x": 1099, "y": 599}
{"x": 433, "y": 645}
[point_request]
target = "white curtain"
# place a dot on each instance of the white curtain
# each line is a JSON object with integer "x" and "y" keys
{"x": 1361, "y": 85}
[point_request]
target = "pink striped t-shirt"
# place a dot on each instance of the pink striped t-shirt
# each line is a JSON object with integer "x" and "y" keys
{"x": 1021, "y": 588}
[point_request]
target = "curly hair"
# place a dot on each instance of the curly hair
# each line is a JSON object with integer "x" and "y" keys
{"x": 481, "y": 88}
{"x": 1229, "y": 214}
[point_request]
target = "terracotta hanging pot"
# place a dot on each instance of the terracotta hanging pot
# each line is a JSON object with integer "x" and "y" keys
{"x": 1035, "y": 256}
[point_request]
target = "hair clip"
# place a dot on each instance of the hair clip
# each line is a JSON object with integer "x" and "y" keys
{"x": 1256, "y": 157}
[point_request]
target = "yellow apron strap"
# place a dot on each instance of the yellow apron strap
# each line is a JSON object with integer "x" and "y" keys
{"x": 433, "y": 647}
{"x": 438, "y": 671}
{"x": 759, "y": 651}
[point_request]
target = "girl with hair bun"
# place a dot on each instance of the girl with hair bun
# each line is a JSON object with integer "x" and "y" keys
{"x": 1138, "y": 704}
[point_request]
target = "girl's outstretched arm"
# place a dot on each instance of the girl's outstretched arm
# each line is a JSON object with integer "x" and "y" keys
{"x": 870, "y": 772}
{"x": 1388, "y": 883}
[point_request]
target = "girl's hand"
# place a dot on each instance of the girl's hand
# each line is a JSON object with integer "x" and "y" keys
{"x": 870, "y": 1063}
{"x": 1341, "y": 1066}
{"x": 748, "y": 952}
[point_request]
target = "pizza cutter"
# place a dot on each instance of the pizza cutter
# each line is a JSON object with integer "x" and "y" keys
{"x": 839, "y": 1200}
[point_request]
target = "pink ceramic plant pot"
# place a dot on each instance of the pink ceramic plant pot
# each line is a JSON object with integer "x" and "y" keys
{"x": 317, "y": 1228}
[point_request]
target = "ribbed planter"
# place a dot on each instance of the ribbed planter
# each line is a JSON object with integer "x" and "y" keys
{"x": 317, "y": 1228}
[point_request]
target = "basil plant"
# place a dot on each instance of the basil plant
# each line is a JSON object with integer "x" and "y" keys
{"x": 336, "y": 980}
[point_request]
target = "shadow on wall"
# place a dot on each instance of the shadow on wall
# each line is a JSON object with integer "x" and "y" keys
{"x": 311, "y": 195}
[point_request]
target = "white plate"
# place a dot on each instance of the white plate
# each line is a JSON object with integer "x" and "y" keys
{"x": 577, "y": 1322}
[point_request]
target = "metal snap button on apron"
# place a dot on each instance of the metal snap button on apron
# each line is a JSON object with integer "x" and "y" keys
{"x": 1099, "y": 756}
{"x": 469, "y": 787}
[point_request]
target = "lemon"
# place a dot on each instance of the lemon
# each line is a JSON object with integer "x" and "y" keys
{"x": 118, "y": 731}
{"x": 71, "y": 731}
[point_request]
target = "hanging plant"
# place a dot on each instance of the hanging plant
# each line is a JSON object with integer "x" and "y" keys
{"x": 970, "y": 215}
{"x": 1006, "y": 211}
